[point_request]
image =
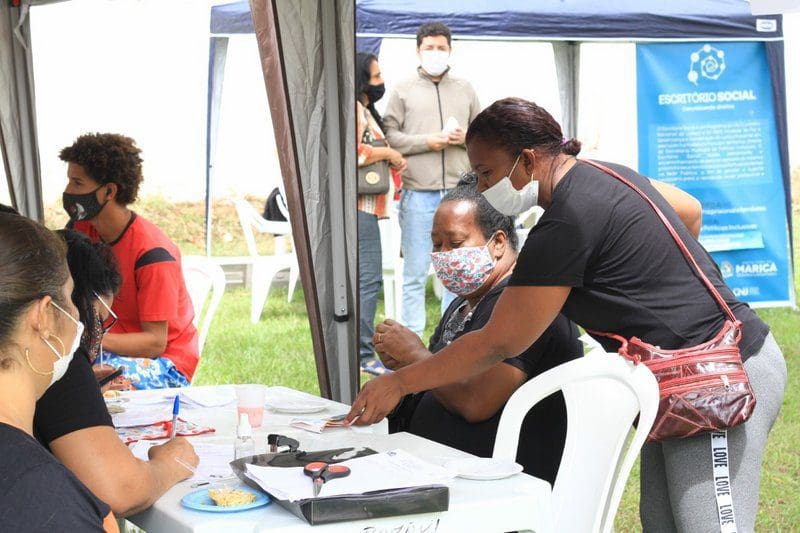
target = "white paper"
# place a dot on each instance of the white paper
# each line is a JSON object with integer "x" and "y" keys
{"x": 142, "y": 415}
{"x": 383, "y": 471}
{"x": 214, "y": 457}
{"x": 450, "y": 126}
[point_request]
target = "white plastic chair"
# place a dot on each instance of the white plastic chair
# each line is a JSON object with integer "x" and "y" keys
{"x": 266, "y": 267}
{"x": 392, "y": 267}
{"x": 603, "y": 393}
{"x": 203, "y": 276}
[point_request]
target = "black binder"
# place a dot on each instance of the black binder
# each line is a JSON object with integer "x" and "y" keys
{"x": 377, "y": 504}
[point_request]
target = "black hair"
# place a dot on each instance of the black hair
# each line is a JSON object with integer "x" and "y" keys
{"x": 8, "y": 209}
{"x": 433, "y": 29}
{"x": 363, "y": 74}
{"x": 514, "y": 124}
{"x": 32, "y": 266}
{"x": 94, "y": 271}
{"x": 488, "y": 219}
{"x": 108, "y": 158}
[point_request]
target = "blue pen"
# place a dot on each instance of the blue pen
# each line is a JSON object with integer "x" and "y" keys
{"x": 175, "y": 408}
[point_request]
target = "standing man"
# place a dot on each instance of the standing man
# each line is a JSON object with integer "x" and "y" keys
{"x": 426, "y": 120}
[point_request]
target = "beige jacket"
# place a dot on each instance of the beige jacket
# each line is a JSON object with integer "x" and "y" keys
{"x": 417, "y": 108}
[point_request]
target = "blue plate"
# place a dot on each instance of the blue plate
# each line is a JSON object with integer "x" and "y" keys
{"x": 200, "y": 501}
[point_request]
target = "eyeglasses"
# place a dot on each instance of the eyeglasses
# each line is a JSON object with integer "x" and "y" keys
{"x": 111, "y": 319}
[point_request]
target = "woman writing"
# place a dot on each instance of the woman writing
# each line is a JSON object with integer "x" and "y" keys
{"x": 371, "y": 207}
{"x": 39, "y": 333}
{"x": 474, "y": 252}
{"x": 602, "y": 257}
{"x": 72, "y": 419}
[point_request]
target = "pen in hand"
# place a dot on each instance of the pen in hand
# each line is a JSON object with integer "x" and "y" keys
{"x": 175, "y": 409}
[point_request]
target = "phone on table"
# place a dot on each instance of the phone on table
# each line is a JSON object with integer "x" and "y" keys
{"x": 106, "y": 379}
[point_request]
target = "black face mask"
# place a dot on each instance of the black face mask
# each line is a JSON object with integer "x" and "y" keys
{"x": 375, "y": 92}
{"x": 82, "y": 206}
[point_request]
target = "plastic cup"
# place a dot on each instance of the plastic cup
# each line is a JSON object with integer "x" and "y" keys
{"x": 250, "y": 401}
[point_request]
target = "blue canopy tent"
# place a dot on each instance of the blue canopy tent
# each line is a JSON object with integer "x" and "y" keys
{"x": 566, "y": 23}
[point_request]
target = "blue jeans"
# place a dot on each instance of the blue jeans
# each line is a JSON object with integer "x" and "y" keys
{"x": 370, "y": 277}
{"x": 416, "y": 220}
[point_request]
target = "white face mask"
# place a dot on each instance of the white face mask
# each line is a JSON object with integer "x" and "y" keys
{"x": 63, "y": 361}
{"x": 434, "y": 62}
{"x": 508, "y": 200}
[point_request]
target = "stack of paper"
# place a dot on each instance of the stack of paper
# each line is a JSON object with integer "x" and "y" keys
{"x": 316, "y": 425}
{"x": 383, "y": 471}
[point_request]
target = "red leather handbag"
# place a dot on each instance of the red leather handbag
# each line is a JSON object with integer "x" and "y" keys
{"x": 704, "y": 387}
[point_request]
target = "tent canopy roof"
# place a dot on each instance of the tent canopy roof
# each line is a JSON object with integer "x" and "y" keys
{"x": 578, "y": 20}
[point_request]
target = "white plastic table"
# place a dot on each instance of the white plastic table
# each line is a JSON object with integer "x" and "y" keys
{"x": 520, "y": 502}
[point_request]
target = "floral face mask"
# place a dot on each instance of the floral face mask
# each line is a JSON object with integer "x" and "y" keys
{"x": 464, "y": 270}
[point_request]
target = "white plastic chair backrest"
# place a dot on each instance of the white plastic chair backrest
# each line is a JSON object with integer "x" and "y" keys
{"x": 603, "y": 394}
{"x": 250, "y": 218}
{"x": 203, "y": 276}
{"x": 390, "y": 241}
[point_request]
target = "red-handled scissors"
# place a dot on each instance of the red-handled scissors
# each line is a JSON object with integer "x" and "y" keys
{"x": 321, "y": 472}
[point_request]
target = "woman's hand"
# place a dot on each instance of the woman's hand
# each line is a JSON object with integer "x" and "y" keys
{"x": 177, "y": 448}
{"x": 397, "y": 345}
{"x": 397, "y": 161}
{"x": 376, "y": 400}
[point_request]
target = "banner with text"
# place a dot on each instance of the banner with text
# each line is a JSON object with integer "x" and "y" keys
{"x": 707, "y": 125}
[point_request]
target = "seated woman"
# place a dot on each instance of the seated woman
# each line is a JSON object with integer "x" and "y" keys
{"x": 39, "y": 333}
{"x": 153, "y": 339}
{"x": 474, "y": 252}
{"x": 72, "y": 420}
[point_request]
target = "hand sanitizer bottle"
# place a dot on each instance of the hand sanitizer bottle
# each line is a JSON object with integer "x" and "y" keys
{"x": 244, "y": 446}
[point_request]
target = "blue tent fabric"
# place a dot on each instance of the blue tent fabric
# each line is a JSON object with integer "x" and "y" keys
{"x": 231, "y": 18}
{"x": 577, "y": 20}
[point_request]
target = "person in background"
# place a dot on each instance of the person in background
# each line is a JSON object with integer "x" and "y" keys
{"x": 39, "y": 333}
{"x": 475, "y": 250}
{"x": 71, "y": 418}
{"x": 426, "y": 120}
{"x": 153, "y": 339}
{"x": 602, "y": 257}
{"x": 371, "y": 207}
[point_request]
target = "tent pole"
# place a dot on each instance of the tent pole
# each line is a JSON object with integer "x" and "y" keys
{"x": 567, "y": 58}
{"x": 217, "y": 52}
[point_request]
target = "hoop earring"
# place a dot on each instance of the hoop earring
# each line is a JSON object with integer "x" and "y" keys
{"x": 28, "y": 359}
{"x": 63, "y": 351}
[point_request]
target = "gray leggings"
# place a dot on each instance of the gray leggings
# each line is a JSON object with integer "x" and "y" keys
{"x": 676, "y": 481}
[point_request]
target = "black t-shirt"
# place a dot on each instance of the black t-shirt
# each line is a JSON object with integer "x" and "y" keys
{"x": 73, "y": 402}
{"x": 627, "y": 274}
{"x": 544, "y": 428}
{"x": 37, "y": 493}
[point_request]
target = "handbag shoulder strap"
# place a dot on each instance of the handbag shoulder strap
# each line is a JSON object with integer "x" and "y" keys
{"x": 710, "y": 286}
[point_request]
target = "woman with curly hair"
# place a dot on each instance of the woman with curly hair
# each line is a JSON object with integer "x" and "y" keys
{"x": 153, "y": 339}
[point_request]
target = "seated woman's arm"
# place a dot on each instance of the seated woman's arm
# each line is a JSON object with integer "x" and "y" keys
{"x": 150, "y": 342}
{"x": 128, "y": 485}
{"x": 685, "y": 205}
{"x": 478, "y": 398}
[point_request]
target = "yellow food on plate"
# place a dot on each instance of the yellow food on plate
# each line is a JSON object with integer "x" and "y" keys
{"x": 228, "y": 497}
{"x": 111, "y": 394}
